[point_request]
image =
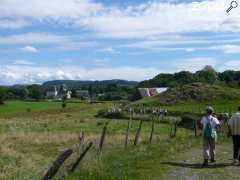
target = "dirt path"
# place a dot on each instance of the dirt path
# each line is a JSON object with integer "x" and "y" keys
{"x": 188, "y": 166}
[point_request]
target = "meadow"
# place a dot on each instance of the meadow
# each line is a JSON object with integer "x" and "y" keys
{"x": 24, "y": 106}
{"x": 31, "y": 141}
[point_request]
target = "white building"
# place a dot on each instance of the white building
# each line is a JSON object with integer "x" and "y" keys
{"x": 58, "y": 93}
{"x": 148, "y": 92}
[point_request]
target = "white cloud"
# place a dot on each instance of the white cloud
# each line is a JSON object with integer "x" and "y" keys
{"x": 13, "y": 74}
{"x": 23, "y": 62}
{"x": 60, "y": 41}
{"x": 145, "y": 20}
{"x": 33, "y": 38}
{"x": 193, "y": 64}
{"x": 109, "y": 50}
{"x": 232, "y": 64}
{"x": 45, "y": 9}
{"x": 13, "y": 24}
{"x": 29, "y": 49}
{"x": 103, "y": 63}
{"x": 229, "y": 49}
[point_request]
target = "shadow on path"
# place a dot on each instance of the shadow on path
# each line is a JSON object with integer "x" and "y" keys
{"x": 196, "y": 165}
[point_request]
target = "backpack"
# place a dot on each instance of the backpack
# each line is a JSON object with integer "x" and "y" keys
{"x": 208, "y": 131}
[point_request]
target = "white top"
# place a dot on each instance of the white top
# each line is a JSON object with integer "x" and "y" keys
{"x": 213, "y": 121}
{"x": 234, "y": 124}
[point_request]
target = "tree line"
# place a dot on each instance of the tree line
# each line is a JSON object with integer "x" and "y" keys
{"x": 36, "y": 92}
{"x": 207, "y": 75}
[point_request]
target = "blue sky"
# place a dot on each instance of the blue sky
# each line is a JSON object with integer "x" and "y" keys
{"x": 43, "y": 40}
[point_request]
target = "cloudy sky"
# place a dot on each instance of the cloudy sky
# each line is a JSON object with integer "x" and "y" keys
{"x": 43, "y": 40}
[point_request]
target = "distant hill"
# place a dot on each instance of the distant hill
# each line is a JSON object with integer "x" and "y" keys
{"x": 206, "y": 75}
{"x": 74, "y": 84}
{"x": 194, "y": 93}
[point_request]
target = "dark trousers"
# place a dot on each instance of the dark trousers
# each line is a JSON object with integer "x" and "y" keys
{"x": 236, "y": 146}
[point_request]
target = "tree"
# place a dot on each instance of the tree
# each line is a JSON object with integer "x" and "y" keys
{"x": 3, "y": 95}
{"x": 35, "y": 92}
{"x": 207, "y": 75}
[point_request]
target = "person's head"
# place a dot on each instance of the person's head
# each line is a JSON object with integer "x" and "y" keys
{"x": 209, "y": 110}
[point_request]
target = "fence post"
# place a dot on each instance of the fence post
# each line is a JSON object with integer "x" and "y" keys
{"x": 175, "y": 129}
{"x": 138, "y": 133}
{"x": 81, "y": 157}
{"x": 52, "y": 171}
{"x": 103, "y": 135}
{"x": 81, "y": 139}
{"x": 152, "y": 130}
{"x": 129, "y": 126}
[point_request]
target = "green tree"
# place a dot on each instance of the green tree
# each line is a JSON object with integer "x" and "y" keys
{"x": 207, "y": 75}
{"x": 35, "y": 92}
{"x": 3, "y": 95}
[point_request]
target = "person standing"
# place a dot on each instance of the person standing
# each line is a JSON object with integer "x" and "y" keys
{"x": 234, "y": 131}
{"x": 209, "y": 125}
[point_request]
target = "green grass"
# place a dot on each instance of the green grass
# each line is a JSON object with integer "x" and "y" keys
{"x": 32, "y": 141}
{"x": 29, "y": 144}
{"x": 200, "y": 107}
{"x": 22, "y": 106}
{"x": 194, "y": 98}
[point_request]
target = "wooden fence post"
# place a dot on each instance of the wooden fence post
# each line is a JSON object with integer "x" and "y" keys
{"x": 129, "y": 127}
{"x": 138, "y": 133}
{"x": 175, "y": 128}
{"x": 81, "y": 157}
{"x": 173, "y": 131}
{"x": 103, "y": 135}
{"x": 152, "y": 130}
{"x": 52, "y": 171}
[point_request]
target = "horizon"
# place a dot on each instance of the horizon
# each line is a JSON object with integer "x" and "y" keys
{"x": 102, "y": 39}
{"x": 114, "y": 79}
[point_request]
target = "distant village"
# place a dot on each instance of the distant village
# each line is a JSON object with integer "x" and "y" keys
{"x": 62, "y": 92}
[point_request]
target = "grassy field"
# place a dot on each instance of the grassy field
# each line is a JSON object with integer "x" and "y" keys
{"x": 230, "y": 106}
{"x": 29, "y": 144}
{"x": 31, "y": 141}
{"x": 24, "y": 106}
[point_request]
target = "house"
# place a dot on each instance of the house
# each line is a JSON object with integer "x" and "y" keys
{"x": 58, "y": 93}
{"x": 52, "y": 94}
{"x": 82, "y": 94}
{"x": 148, "y": 92}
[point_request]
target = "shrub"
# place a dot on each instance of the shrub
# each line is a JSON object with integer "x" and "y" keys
{"x": 64, "y": 104}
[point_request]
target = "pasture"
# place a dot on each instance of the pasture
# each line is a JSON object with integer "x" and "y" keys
{"x": 31, "y": 141}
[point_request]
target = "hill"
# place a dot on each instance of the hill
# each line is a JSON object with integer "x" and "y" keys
{"x": 206, "y": 75}
{"x": 74, "y": 84}
{"x": 194, "y": 93}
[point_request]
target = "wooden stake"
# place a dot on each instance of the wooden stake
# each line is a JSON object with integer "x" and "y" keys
{"x": 52, "y": 171}
{"x": 138, "y": 133}
{"x": 152, "y": 130}
{"x": 103, "y": 135}
{"x": 81, "y": 157}
{"x": 129, "y": 127}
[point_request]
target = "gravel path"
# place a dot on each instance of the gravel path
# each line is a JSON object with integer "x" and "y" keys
{"x": 187, "y": 166}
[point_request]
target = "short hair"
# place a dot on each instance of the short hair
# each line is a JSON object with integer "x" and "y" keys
{"x": 209, "y": 110}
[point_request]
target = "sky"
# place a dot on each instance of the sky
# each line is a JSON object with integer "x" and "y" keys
{"x": 43, "y": 40}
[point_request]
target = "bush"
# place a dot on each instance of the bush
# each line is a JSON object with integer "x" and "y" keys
{"x": 110, "y": 114}
{"x": 64, "y": 104}
{"x": 188, "y": 120}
